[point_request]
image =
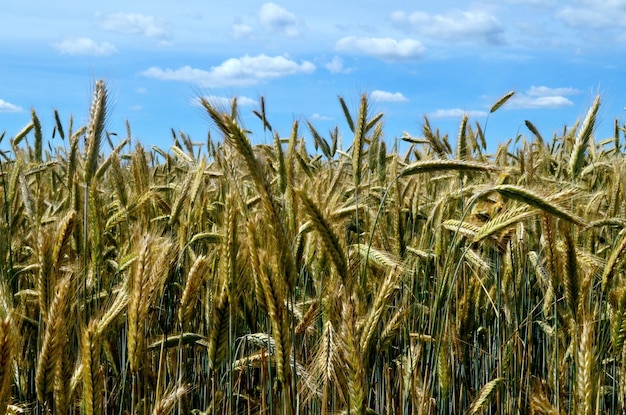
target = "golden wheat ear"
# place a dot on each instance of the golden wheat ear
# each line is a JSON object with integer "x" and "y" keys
{"x": 95, "y": 129}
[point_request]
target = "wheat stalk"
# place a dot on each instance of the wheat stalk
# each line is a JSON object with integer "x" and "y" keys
{"x": 7, "y": 346}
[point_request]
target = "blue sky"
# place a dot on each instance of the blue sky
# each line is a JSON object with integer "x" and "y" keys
{"x": 442, "y": 60}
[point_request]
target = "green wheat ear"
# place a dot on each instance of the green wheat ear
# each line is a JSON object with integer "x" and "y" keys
{"x": 500, "y": 102}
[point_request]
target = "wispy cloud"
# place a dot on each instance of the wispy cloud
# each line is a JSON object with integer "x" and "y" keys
{"x": 456, "y": 113}
{"x": 594, "y": 14}
{"x": 85, "y": 46}
{"x": 384, "y": 96}
{"x": 542, "y": 91}
{"x": 319, "y": 117}
{"x": 241, "y": 31}
{"x": 136, "y": 24}
{"x": 8, "y": 107}
{"x": 542, "y": 97}
{"x": 275, "y": 18}
{"x": 226, "y": 102}
{"x": 385, "y": 48}
{"x": 247, "y": 70}
{"x": 543, "y": 3}
{"x": 336, "y": 66}
{"x": 453, "y": 26}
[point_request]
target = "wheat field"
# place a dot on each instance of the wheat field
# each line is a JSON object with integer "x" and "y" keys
{"x": 306, "y": 278}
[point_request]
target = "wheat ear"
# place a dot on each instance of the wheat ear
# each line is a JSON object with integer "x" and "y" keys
{"x": 165, "y": 404}
{"x": 582, "y": 139}
{"x": 501, "y": 101}
{"x": 571, "y": 280}
{"x": 461, "y": 146}
{"x": 90, "y": 349}
{"x": 429, "y": 166}
{"x": 95, "y": 128}
{"x": 538, "y": 201}
{"x": 614, "y": 259}
{"x": 330, "y": 240}
{"x": 189, "y": 298}
{"x": 484, "y": 395}
{"x": 53, "y": 343}
{"x": 585, "y": 376}
{"x": 136, "y": 307}
{"x": 356, "y": 376}
{"x": 218, "y": 336}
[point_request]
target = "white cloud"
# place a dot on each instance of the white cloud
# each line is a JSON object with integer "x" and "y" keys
{"x": 136, "y": 24}
{"x": 336, "y": 66}
{"x": 241, "y": 31}
{"x": 456, "y": 113}
{"x": 534, "y": 2}
{"x": 542, "y": 91}
{"x": 454, "y": 26}
{"x": 525, "y": 101}
{"x": 383, "y": 48}
{"x": 319, "y": 117}
{"x": 384, "y": 96}
{"x": 542, "y": 97}
{"x": 8, "y": 107}
{"x": 594, "y": 22}
{"x": 247, "y": 70}
{"x": 223, "y": 102}
{"x": 595, "y": 14}
{"x": 274, "y": 18}
{"x": 85, "y": 46}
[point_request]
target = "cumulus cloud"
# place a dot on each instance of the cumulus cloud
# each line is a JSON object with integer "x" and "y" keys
{"x": 247, "y": 70}
{"x": 275, "y": 18}
{"x": 223, "y": 102}
{"x": 241, "y": 31}
{"x": 541, "y": 97}
{"x": 336, "y": 66}
{"x": 136, "y": 24}
{"x": 384, "y": 96}
{"x": 453, "y": 26}
{"x": 381, "y": 47}
{"x": 8, "y": 107}
{"x": 85, "y": 46}
{"x": 456, "y": 113}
